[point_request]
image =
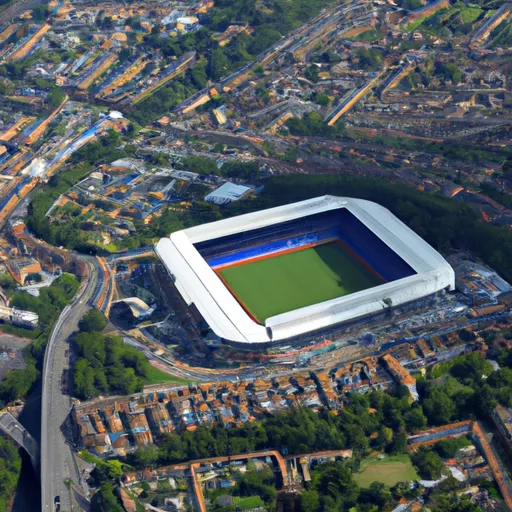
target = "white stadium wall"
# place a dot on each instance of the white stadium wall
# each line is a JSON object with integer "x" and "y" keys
{"x": 198, "y": 284}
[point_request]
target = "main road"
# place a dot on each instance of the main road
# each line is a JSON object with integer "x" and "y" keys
{"x": 58, "y": 464}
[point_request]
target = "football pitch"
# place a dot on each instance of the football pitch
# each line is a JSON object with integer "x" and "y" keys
{"x": 298, "y": 279}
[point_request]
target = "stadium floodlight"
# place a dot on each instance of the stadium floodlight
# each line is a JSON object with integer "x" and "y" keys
{"x": 302, "y": 268}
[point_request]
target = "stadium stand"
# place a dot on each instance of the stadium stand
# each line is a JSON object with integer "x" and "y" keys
{"x": 338, "y": 225}
{"x": 412, "y": 272}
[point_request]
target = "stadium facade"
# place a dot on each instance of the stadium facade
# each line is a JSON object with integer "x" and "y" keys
{"x": 388, "y": 266}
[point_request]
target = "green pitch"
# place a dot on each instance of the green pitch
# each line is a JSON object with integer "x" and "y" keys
{"x": 290, "y": 281}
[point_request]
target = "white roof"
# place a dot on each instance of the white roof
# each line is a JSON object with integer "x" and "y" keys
{"x": 227, "y": 193}
{"x": 199, "y": 285}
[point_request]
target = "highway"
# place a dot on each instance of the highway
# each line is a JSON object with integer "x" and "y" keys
{"x": 57, "y": 458}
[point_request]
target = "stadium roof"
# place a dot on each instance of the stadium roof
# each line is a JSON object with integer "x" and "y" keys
{"x": 227, "y": 193}
{"x": 199, "y": 285}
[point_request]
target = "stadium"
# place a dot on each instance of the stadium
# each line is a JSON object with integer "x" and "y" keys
{"x": 300, "y": 270}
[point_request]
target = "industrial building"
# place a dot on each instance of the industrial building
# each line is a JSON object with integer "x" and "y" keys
{"x": 228, "y": 193}
{"x": 404, "y": 268}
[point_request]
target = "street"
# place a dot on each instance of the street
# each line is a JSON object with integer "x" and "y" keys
{"x": 57, "y": 457}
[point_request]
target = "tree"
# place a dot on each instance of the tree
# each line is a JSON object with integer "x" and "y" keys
{"x": 384, "y": 437}
{"x": 309, "y": 501}
{"x": 438, "y": 405}
{"x": 334, "y": 480}
{"x": 56, "y": 97}
{"x": 83, "y": 379}
{"x": 218, "y": 65}
{"x": 399, "y": 444}
{"x": 18, "y": 383}
{"x": 322, "y": 99}
{"x": 104, "y": 500}
{"x": 93, "y": 321}
{"x": 198, "y": 75}
{"x": 429, "y": 464}
{"x": 377, "y": 494}
{"x": 146, "y": 457}
{"x": 39, "y": 13}
{"x": 415, "y": 420}
{"x": 10, "y": 467}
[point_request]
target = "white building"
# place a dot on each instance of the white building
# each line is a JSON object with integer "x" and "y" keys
{"x": 227, "y": 193}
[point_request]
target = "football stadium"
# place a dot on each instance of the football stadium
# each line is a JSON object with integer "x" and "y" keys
{"x": 300, "y": 270}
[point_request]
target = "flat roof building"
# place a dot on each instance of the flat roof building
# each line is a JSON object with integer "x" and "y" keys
{"x": 228, "y": 193}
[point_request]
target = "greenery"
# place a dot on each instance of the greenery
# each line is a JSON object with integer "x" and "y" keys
{"x": 106, "y": 365}
{"x": 10, "y": 467}
{"x": 294, "y": 431}
{"x": 367, "y": 36}
{"x": 313, "y": 124}
{"x": 104, "y": 499}
{"x": 388, "y": 470}
{"x": 48, "y": 305}
{"x": 7, "y": 283}
{"x": 332, "y": 487}
{"x": 156, "y": 376}
{"x": 369, "y": 58}
{"x": 429, "y": 464}
{"x": 18, "y": 383}
{"x": 376, "y": 421}
{"x": 322, "y": 99}
{"x": 447, "y": 448}
{"x": 230, "y": 169}
{"x": 56, "y": 97}
{"x": 104, "y": 468}
{"x": 93, "y": 321}
{"x": 254, "y": 484}
{"x": 51, "y": 300}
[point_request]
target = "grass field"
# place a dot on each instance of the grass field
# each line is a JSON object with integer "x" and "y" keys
{"x": 290, "y": 281}
{"x": 389, "y": 471}
{"x": 156, "y": 376}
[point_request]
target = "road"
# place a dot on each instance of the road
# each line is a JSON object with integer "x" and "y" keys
{"x": 17, "y": 8}
{"x": 57, "y": 457}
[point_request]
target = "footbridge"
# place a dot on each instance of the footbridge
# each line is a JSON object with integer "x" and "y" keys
{"x": 14, "y": 429}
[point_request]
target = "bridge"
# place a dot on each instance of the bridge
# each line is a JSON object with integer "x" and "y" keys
{"x": 15, "y": 430}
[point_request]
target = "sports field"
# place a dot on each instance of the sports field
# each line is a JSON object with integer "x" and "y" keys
{"x": 389, "y": 471}
{"x": 285, "y": 282}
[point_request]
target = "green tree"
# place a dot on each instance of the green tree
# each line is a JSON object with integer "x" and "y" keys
{"x": 429, "y": 464}
{"x": 10, "y": 467}
{"x": 56, "y": 97}
{"x": 309, "y": 501}
{"x": 218, "y": 65}
{"x": 438, "y": 406}
{"x": 415, "y": 420}
{"x": 18, "y": 383}
{"x": 377, "y": 494}
{"x": 104, "y": 499}
{"x": 333, "y": 480}
{"x": 93, "y": 321}
{"x": 322, "y": 99}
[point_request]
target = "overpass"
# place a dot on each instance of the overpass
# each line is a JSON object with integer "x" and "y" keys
{"x": 141, "y": 252}
{"x": 15, "y": 430}
{"x": 58, "y": 463}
